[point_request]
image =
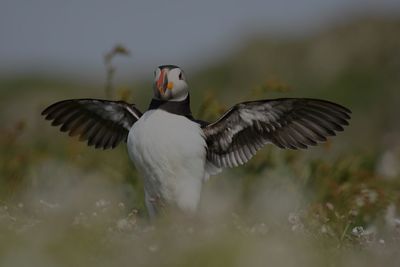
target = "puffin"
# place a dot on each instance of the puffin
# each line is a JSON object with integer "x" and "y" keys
{"x": 175, "y": 153}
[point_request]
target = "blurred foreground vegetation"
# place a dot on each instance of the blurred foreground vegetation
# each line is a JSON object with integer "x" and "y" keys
{"x": 63, "y": 204}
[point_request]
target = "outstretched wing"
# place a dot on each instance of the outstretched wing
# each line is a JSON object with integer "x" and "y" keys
{"x": 287, "y": 122}
{"x": 102, "y": 123}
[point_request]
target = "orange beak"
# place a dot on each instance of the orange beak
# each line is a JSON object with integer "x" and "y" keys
{"x": 162, "y": 82}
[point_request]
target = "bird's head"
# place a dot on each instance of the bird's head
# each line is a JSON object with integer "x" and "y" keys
{"x": 170, "y": 83}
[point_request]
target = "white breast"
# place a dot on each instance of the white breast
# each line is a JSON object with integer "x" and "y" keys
{"x": 169, "y": 152}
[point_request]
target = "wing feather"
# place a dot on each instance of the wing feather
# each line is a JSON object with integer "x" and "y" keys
{"x": 102, "y": 123}
{"x": 294, "y": 123}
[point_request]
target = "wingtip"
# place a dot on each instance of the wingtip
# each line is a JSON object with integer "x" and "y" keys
{"x": 45, "y": 112}
{"x": 347, "y": 110}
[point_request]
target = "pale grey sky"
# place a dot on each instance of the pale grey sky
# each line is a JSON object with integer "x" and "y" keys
{"x": 71, "y": 36}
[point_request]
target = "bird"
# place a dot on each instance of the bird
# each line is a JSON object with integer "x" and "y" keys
{"x": 176, "y": 153}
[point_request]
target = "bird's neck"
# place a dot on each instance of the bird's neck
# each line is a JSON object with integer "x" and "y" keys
{"x": 175, "y": 107}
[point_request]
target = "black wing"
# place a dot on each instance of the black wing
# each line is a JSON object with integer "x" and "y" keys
{"x": 102, "y": 123}
{"x": 287, "y": 122}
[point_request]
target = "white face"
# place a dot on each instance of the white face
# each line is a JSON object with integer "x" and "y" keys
{"x": 170, "y": 84}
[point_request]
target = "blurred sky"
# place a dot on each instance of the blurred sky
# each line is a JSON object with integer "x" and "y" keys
{"x": 71, "y": 36}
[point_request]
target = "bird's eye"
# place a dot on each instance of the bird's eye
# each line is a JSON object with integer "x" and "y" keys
{"x": 180, "y": 76}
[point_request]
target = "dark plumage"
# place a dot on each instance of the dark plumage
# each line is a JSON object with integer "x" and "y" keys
{"x": 287, "y": 122}
{"x": 104, "y": 124}
{"x": 231, "y": 141}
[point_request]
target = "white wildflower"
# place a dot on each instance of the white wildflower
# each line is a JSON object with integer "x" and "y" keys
{"x": 360, "y": 201}
{"x": 329, "y": 206}
{"x": 295, "y": 221}
{"x": 102, "y": 203}
{"x": 124, "y": 225}
{"x": 80, "y": 219}
{"x": 49, "y": 205}
{"x": 293, "y": 218}
{"x": 370, "y": 195}
{"x": 353, "y": 212}
{"x": 357, "y": 231}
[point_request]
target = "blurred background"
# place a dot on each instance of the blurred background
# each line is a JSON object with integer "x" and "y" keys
{"x": 63, "y": 203}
